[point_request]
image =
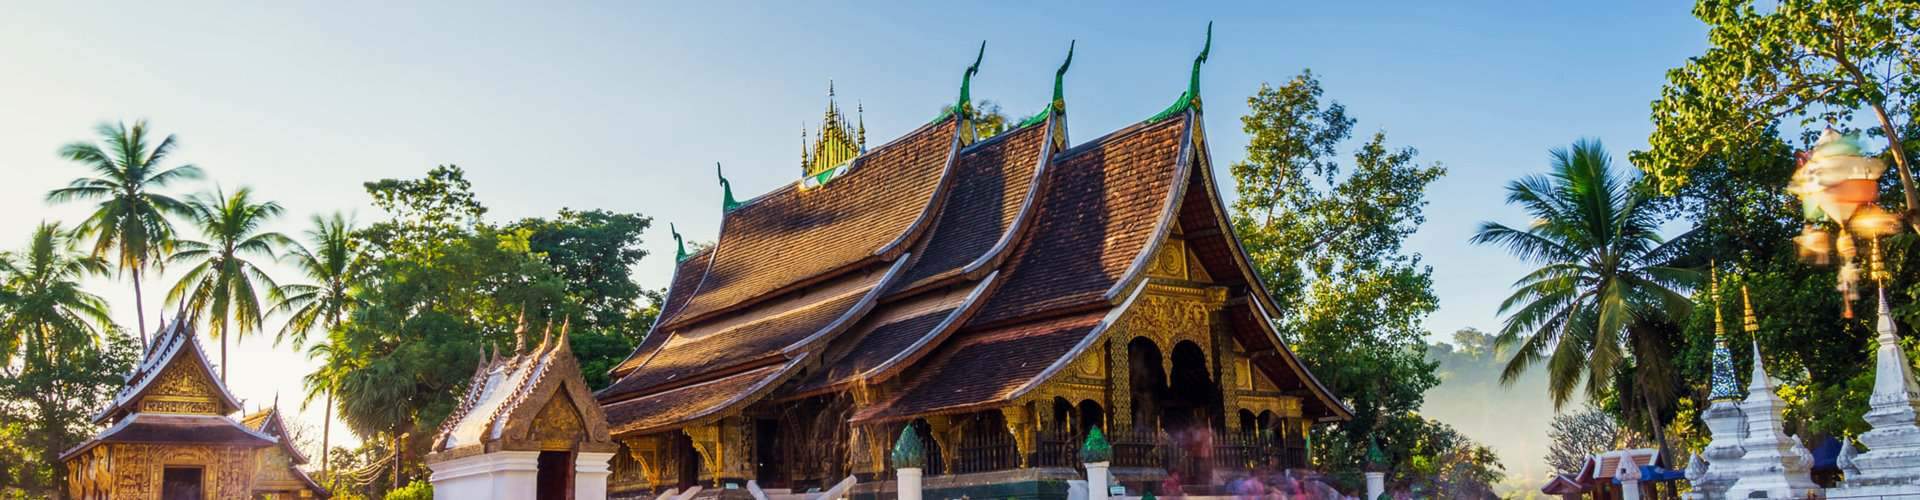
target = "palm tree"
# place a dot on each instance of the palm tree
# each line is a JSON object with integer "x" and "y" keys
{"x": 131, "y": 219}
{"x": 44, "y": 311}
{"x": 335, "y": 362}
{"x": 222, "y": 285}
{"x": 336, "y": 267}
{"x": 1604, "y": 285}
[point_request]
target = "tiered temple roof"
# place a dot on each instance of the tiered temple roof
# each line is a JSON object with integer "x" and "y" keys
{"x": 533, "y": 400}
{"x": 979, "y": 267}
{"x": 173, "y": 396}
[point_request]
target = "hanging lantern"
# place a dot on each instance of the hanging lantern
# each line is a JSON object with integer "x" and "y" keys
{"x": 1816, "y": 246}
{"x": 1836, "y": 178}
{"x": 1873, "y": 222}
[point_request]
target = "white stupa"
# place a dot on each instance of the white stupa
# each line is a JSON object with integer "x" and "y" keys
{"x": 1891, "y": 465}
{"x": 1715, "y": 468}
{"x": 1775, "y": 465}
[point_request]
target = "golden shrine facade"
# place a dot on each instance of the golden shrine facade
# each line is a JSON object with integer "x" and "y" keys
{"x": 1000, "y": 296}
{"x": 168, "y": 432}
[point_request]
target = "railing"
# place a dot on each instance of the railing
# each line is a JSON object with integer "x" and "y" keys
{"x": 986, "y": 451}
{"x": 1056, "y": 447}
{"x": 1244, "y": 451}
{"x": 1133, "y": 448}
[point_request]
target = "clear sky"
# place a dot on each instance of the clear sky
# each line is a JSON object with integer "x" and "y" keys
{"x": 626, "y": 106}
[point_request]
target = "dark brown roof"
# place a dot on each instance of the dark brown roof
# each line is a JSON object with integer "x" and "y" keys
{"x": 985, "y": 367}
{"x": 672, "y": 407}
{"x": 793, "y": 235}
{"x": 267, "y": 422}
{"x": 991, "y": 182}
{"x": 730, "y": 342}
{"x": 1101, "y": 205}
{"x": 887, "y": 336}
{"x": 176, "y": 429}
{"x": 686, "y": 277}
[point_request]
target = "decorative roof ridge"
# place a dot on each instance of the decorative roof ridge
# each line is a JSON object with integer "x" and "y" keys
{"x": 963, "y": 106}
{"x": 1169, "y": 214}
{"x": 181, "y": 338}
{"x": 869, "y": 297}
{"x": 272, "y": 416}
{"x": 752, "y": 393}
{"x": 870, "y": 413}
{"x": 1122, "y": 133}
{"x": 893, "y": 250}
{"x": 663, "y": 317}
{"x": 933, "y": 339}
{"x": 989, "y": 260}
{"x": 1092, "y": 336}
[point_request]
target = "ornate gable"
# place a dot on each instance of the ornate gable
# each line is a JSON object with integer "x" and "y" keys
{"x": 535, "y": 401}
{"x": 175, "y": 378}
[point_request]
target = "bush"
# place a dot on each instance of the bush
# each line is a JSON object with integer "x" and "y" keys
{"x": 419, "y": 490}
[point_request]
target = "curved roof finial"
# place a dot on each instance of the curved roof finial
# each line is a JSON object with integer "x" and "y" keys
{"x": 1059, "y": 78}
{"x": 680, "y": 246}
{"x": 965, "y": 105}
{"x": 727, "y": 203}
{"x": 1191, "y": 98}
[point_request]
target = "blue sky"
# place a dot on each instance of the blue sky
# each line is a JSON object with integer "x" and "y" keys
{"x": 626, "y": 106}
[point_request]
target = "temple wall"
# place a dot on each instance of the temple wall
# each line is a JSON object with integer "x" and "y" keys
{"x": 135, "y": 471}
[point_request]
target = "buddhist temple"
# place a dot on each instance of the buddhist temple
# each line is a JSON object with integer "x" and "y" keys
{"x": 169, "y": 434}
{"x": 527, "y": 428}
{"x": 1000, "y": 296}
{"x": 280, "y": 475}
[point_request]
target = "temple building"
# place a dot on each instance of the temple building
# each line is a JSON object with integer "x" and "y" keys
{"x": 998, "y": 295}
{"x": 169, "y": 434}
{"x": 527, "y": 428}
{"x": 279, "y": 475}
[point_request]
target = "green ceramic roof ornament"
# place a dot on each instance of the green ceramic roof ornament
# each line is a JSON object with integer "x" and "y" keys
{"x": 727, "y": 203}
{"x": 1059, "y": 102}
{"x": 908, "y": 453}
{"x": 1148, "y": 496}
{"x": 1376, "y": 459}
{"x": 680, "y": 246}
{"x": 1190, "y": 98}
{"x": 1096, "y": 449}
{"x": 965, "y": 105}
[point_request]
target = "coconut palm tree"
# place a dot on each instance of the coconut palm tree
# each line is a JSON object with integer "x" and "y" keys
{"x": 131, "y": 219}
{"x": 336, "y": 268}
{"x": 221, "y": 285}
{"x": 334, "y": 265}
{"x": 335, "y": 362}
{"x": 1604, "y": 284}
{"x": 44, "y": 312}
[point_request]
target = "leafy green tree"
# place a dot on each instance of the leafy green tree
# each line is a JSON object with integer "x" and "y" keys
{"x": 72, "y": 359}
{"x": 1811, "y": 60}
{"x": 594, "y": 251}
{"x": 1604, "y": 287}
{"x": 221, "y": 285}
{"x": 131, "y": 218}
{"x": 1328, "y": 245}
{"x": 43, "y": 311}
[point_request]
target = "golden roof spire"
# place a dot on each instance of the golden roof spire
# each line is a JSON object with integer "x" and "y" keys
{"x": 1748, "y": 322}
{"x": 1713, "y": 284}
{"x": 837, "y": 143}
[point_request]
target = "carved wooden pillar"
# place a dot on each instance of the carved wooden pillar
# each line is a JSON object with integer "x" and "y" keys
{"x": 947, "y": 431}
{"x": 646, "y": 451}
{"x": 1019, "y": 420}
{"x": 706, "y": 443}
{"x": 725, "y": 448}
{"x": 1119, "y": 385}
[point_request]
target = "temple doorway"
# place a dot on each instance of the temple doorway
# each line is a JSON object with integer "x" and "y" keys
{"x": 554, "y": 476}
{"x": 182, "y": 483}
{"x": 1189, "y": 411}
{"x": 1147, "y": 383}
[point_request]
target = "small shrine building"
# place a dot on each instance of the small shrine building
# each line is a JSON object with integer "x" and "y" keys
{"x": 1001, "y": 296}
{"x": 527, "y": 428}
{"x": 168, "y": 432}
{"x": 280, "y": 476}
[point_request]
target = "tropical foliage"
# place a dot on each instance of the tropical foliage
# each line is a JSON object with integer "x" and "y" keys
{"x": 130, "y": 221}
{"x": 1326, "y": 236}
{"x": 221, "y": 285}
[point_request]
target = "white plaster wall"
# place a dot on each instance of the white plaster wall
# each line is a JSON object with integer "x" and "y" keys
{"x": 494, "y": 476}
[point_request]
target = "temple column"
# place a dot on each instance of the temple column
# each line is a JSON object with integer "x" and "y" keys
{"x": 590, "y": 471}
{"x": 946, "y": 431}
{"x": 1019, "y": 420}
